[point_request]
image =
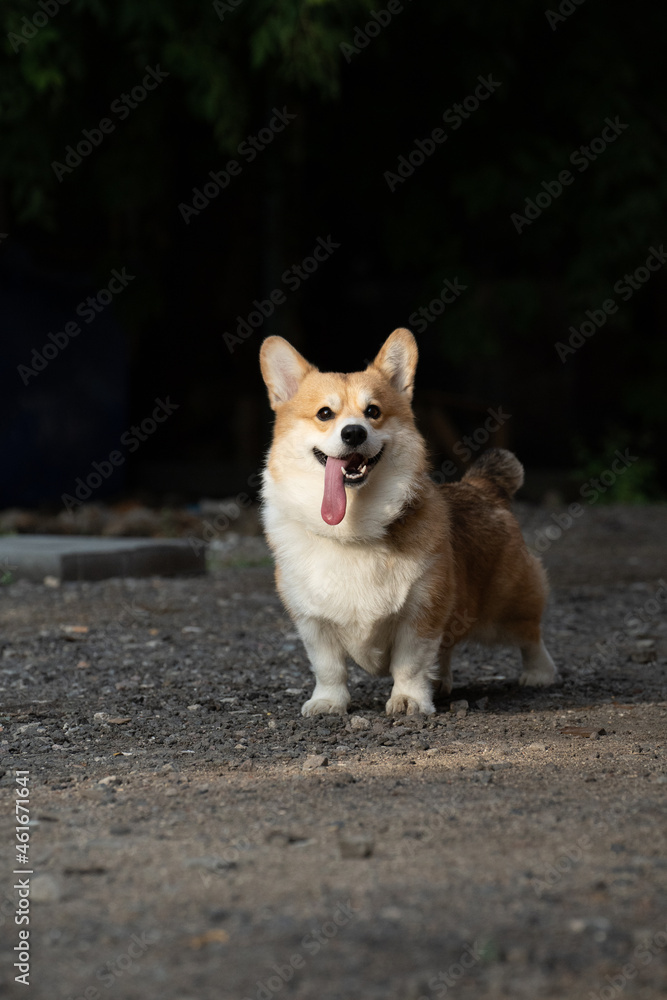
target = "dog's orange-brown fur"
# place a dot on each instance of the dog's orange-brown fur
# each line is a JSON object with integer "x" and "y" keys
{"x": 413, "y": 568}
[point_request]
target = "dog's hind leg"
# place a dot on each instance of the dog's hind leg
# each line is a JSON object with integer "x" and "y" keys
{"x": 442, "y": 685}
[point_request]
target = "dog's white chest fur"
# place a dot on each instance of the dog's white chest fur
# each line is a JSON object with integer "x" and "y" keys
{"x": 359, "y": 592}
{"x": 387, "y": 596}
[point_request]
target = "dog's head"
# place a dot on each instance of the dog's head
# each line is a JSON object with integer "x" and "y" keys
{"x": 341, "y": 437}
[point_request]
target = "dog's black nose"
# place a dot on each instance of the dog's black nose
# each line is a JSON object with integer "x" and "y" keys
{"x": 353, "y": 434}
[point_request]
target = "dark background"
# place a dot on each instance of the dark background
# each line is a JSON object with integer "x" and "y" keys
{"x": 561, "y": 75}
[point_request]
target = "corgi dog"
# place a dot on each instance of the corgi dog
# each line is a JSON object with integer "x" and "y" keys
{"x": 374, "y": 561}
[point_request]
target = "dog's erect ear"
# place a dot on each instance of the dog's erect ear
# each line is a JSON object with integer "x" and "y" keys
{"x": 282, "y": 369}
{"x": 397, "y": 360}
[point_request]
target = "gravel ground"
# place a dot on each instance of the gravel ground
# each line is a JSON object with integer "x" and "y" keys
{"x": 193, "y": 837}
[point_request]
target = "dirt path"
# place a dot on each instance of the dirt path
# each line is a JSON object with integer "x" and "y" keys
{"x": 193, "y": 837}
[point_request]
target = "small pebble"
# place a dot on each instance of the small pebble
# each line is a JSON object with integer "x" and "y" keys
{"x": 459, "y": 706}
{"x": 315, "y": 761}
{"x": 355, "y": 845}
{"x": 44, "y": 889}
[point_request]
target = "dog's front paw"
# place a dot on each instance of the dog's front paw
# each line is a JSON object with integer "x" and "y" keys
{"x": 538, "y": 668}
{"x": 404, "y": 704}
{"x": 538, "y": 678}
{"x": 323, "y": 706}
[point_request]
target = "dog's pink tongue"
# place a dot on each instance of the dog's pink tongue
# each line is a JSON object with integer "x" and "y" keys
{"x": 334, "y": 500}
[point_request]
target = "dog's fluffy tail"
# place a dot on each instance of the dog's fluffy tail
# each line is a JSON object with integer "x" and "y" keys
{"x": 500, "y": 467}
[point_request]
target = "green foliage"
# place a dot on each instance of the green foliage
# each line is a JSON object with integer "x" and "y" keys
{"x": 302, "y": 40}
{"x": 230, "y": 63}
{"x": 64, "y": 77}
{"x": 635, "y": 484}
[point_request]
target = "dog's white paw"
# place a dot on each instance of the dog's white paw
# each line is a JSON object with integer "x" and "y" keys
{"x": 539, "y": 669}
{"x": 404, "y": 704}
{"x": 324, "y": 706}
{"x": 538, "y": 678}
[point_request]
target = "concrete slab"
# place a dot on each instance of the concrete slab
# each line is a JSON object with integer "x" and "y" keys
{"x": 79, "y": 557}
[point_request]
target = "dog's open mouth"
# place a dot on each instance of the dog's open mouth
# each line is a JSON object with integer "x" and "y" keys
{"x": 351, "y": 470}
{"x": 355, "y": 466}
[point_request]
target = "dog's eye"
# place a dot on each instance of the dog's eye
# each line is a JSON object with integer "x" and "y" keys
{"x": 325, "y": 414}
{"x": 372, "y": 412}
